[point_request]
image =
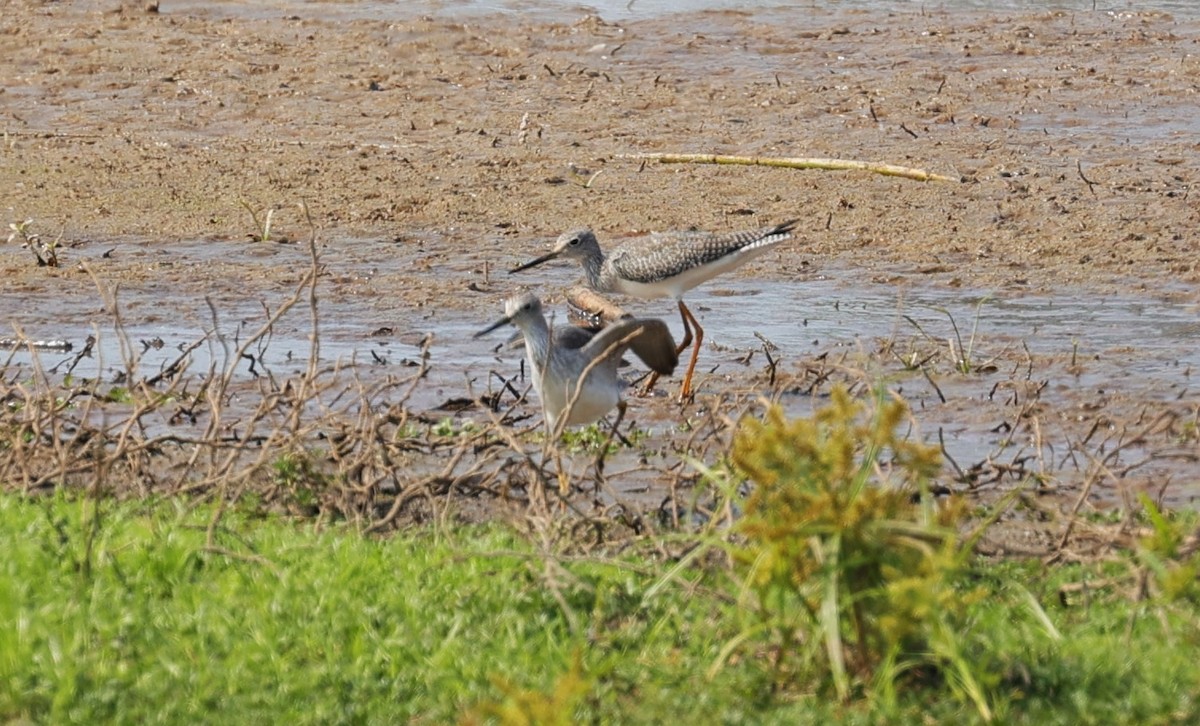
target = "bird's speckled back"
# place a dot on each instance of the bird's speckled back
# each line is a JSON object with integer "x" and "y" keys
{"x": 662, "y": 255}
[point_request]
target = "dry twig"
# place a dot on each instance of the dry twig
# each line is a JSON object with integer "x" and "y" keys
{"x": 794, "y": 163}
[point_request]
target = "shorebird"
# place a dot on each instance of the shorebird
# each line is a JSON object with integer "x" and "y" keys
{"x": 575, "y": 370}
{"x": 664, "y": 264}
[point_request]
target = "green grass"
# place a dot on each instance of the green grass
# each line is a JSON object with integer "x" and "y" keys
{"x": 1117, "y": 661}
{"x": 145, "y": 624}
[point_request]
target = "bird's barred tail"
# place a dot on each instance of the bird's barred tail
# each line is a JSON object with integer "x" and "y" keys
{"x": 764, "y": 237}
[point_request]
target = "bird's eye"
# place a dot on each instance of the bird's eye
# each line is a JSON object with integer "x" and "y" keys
{"x": 574, "y": 242}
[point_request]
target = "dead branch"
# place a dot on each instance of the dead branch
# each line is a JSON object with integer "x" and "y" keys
{"x": 794, "y": 163}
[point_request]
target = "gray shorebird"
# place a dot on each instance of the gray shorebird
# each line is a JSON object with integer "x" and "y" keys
{"x": 560, "y": 357}
{"x": 665, "y": 264}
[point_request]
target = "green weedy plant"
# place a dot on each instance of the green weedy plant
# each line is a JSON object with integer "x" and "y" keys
{"x": 525, "y": 707}
{"x": 1170, "y": 553}
{"x": 448, "y": 427}
{"x": 296, "y": 473}
{"x": 594, "y": 436}
{"x": 856, "y": 569}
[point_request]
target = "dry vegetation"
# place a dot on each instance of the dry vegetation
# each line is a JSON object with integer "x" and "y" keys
{"x": 332, "y": 444}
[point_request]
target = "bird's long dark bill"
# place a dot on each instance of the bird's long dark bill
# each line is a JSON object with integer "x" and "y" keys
{"x": 534, "y": 263}
{"x": 499, "y": 323}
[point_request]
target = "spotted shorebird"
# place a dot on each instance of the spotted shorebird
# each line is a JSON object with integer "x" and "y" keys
{"x": 665, "y": 264}
{"x": 575, "y": 370}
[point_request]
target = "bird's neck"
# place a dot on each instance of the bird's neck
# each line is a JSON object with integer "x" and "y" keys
{"x": 537, "y": 343}
{"x": 593, "y": 270}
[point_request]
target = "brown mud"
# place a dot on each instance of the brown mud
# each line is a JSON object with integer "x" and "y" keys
{"x": 429, "y": 154}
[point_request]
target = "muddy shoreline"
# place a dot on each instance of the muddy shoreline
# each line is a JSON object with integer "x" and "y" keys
{"x": 429, "y": 155}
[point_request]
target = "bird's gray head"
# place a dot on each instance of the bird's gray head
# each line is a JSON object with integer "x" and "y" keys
{"x": 519, "y": 310}
{"x": 578, "y": 244}
{"x": 522, "y": 305}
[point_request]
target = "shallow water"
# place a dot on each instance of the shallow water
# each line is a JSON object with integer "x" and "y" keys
{"x": 1120, "y": 337}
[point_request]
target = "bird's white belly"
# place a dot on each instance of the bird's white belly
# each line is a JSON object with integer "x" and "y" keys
{"x": 595, "y": 400}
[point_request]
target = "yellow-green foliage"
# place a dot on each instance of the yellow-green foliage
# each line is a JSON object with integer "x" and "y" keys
{"x": 1169, "y": 555}
{"x": 522, "y": 707}
{"x": 854, "y": 564}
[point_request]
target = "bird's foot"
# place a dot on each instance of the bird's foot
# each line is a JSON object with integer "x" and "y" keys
{"x": 648, "y": 389}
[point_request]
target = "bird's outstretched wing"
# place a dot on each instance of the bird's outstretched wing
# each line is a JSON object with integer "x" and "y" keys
{"x": 649, "y": 338}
